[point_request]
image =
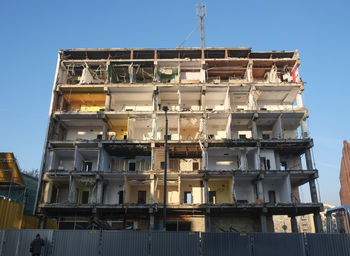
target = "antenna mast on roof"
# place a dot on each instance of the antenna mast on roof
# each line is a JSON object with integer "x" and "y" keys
{"x": 202, "y": 12}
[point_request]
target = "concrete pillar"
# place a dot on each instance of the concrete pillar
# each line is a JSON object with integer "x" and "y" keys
{"x": 277, "y": 131}
{"x": 155, "y": 100}
{"x": 72, "y": 193}
{"x": 257, "y": 159}
{"x": 304, "y": 129}
{"x": 204, "y": 159}
{"x": 99, "y": 196}
{"x": 48, "y": 192}
{"x": 233, "y": 193}
{"x": 243, "y": 160}
{"x": 207, "y": 221}
{"x": 294, "y": 224}
{"x": 108, "y": 102}
{"x": 260, "y": 189}
{"x": 308, "y": 159}
{"x": 206, "y": 191}
{"x": 313, "y": 191}
{"x": 154, "y": 126}
{"x": 151, "y": 191}
{"x": 254, "y": 130}
{"x": 151, "y": 221}
{"x": 318, "y": 222}
{"x": 105, "y": 131}
{"x": 263, "y": 223}
{"x": 299, "y": 100}
{"x": 56, "y": 130}
{"x": 203, "y": 101}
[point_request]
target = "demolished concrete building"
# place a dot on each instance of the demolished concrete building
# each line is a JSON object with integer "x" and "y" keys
{"x": 237, "y": 137}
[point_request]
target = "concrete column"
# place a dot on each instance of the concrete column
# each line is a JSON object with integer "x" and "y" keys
{"x": 105, "y": 131}
{"x": 151, "y": 191}
{"x": 151, "y": 221}
{"x": 299, "y": 100}
{"x": 207, "y": 221}
{"x": 108, "y": 102}
{"x": 243, "y": 160}
{"x": 204, "y": 159}
{"x": 263, "y": 223}
{"x": 154, "y": 126}
{"x": 277, "y": 131}
{"x": 313, "y": 191}
{"x": 203, "y": 101}
{"x": 304, "y": 129}
{"x": 254, "y": 130}
{"x": 155, "y": 100}
{"x": 206, "y": 191}
{"x": 318, "y": 223}
{"x": 257, "y": 159}
{"x": 72, "y": 193}
{"x": 294, "y": 224}
{"x": 48, "y": 192}
{"x": 308, "y": 159}
{"x": 56, "y": 130}
{"x": 233, "y": 193}
{"x": 99, "y": 196}
{"x": 260, "y": 189}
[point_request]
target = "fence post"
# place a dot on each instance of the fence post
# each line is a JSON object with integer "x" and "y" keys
{"x": 251, "y": 245}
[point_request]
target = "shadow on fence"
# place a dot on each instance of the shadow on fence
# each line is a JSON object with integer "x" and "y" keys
{"x": 144, "y": 243}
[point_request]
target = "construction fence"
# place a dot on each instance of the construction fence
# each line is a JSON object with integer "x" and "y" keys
{"x": 146, "y": 243}
{"x": 11, "y": 216}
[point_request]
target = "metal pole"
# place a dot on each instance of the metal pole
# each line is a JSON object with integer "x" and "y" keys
{"x": 165, "y": 108}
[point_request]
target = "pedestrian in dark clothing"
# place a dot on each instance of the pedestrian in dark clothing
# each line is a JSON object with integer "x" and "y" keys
{"x": 35, "y": 245}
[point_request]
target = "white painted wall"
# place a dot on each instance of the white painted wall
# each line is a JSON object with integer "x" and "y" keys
{"x": 111, "y": 191}
{"x": 269, "y": 154}
{"x": 75, "y": 133}
{"x": 244, "y": 190}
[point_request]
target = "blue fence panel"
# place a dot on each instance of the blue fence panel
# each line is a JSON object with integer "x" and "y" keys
{"x": 76, "y": 242}
{"x": 328, "y": 244}
{"x": 222, "y": 244}
{"x": 174, "y": 244}
{"x": 276, "y": 244}
{"x": 17, "y": 242}
{"x": 125, "y": 243}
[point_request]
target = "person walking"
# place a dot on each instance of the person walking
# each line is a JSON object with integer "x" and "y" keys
{"x": 35, "y": 246}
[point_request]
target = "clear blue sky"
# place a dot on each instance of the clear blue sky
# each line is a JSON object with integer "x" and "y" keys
{"x": 32, "y": 32}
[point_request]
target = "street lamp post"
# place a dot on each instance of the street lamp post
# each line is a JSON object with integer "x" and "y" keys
{"x": 165, "y": 109}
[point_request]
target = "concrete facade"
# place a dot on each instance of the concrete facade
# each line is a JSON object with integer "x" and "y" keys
{"x": 237, "y": 135}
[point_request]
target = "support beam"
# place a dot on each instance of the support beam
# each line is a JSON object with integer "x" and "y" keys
{"x": 72, "y": 194}
{"x": 318, "y": 223}
{"x": 304, "y": 128}
{"x": 299, "y": 100}
{"x": 263, "y": 223}
{"x": 105, "y": 131}
{"x": 277, "y": 131}
{"x": 294, "y": 224}
{"x": 99, "y": 198}
{"x": 151, "y": 190}
{"x": 206, "y": 191}
{"x": 254, "y": 127}
{"x": 108, "y": 102}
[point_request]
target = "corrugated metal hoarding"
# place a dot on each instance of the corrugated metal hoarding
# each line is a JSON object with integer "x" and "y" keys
{"x": 125, "y": 243}
{"x": 76, "y": 242}
{"x": 328, "y": 244}
{"x": 277, "y": 244}
{"x": 149, "y": 243}
{"x": 214, "y": 244}
{"x": 174, "y": 243}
